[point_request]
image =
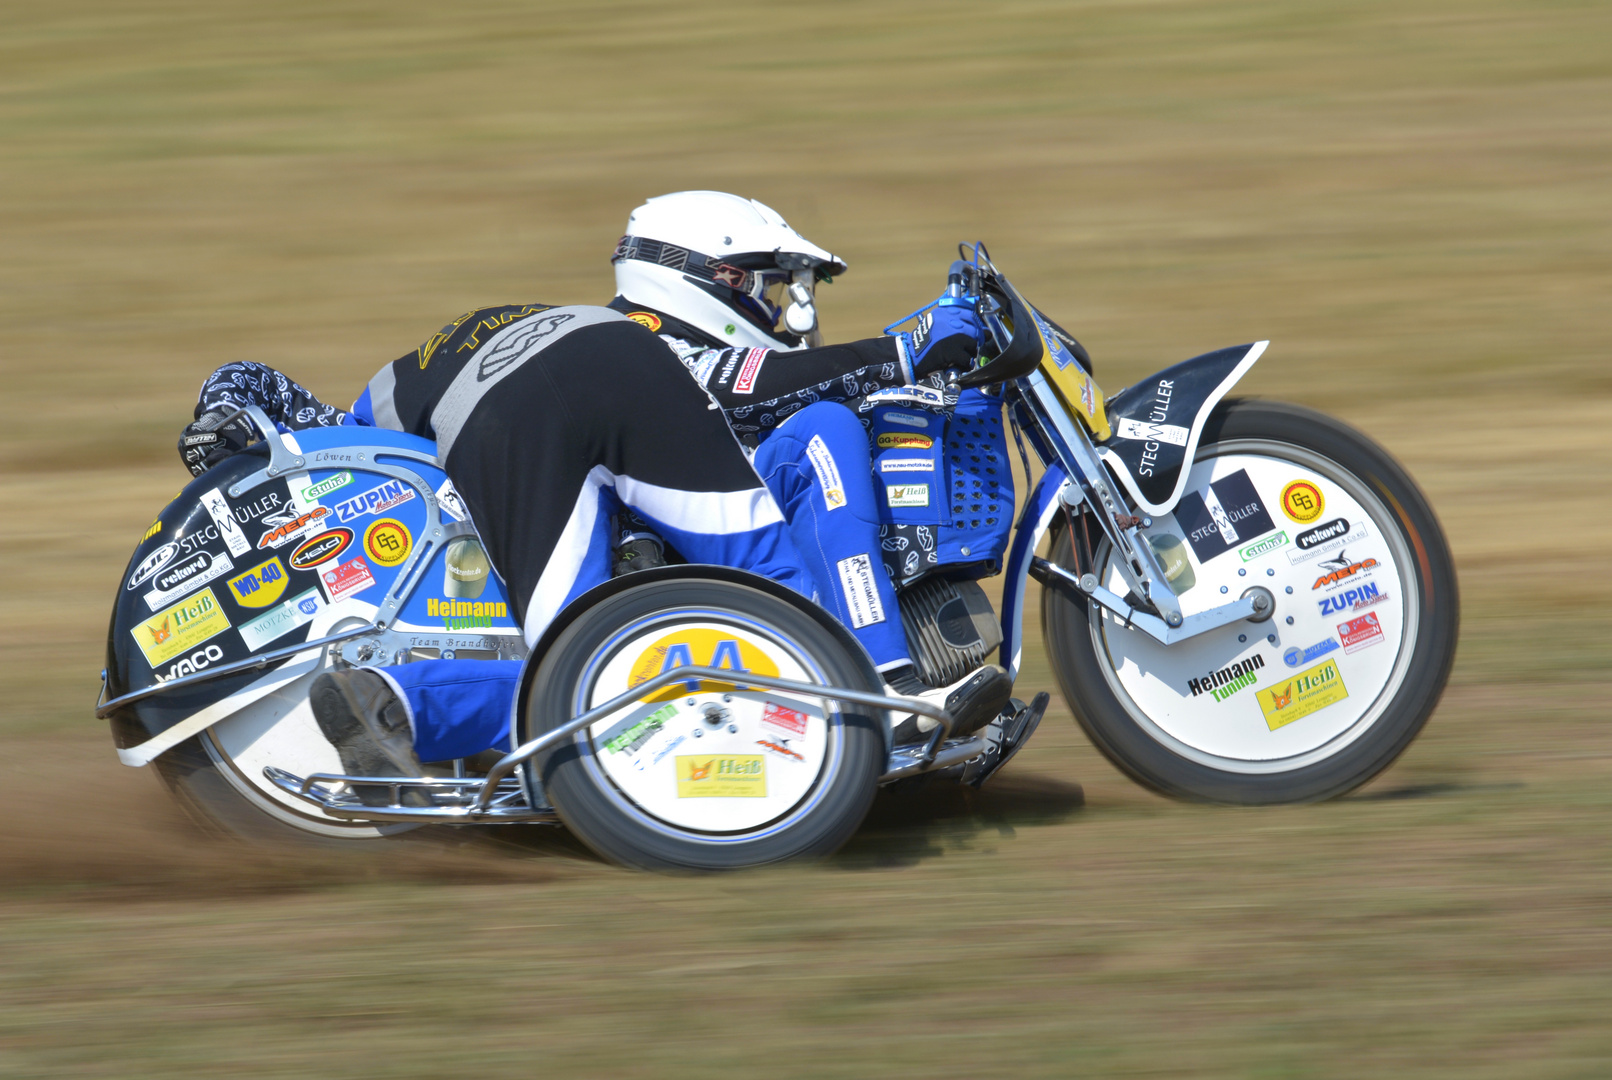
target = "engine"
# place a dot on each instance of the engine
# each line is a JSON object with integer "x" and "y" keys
{"x": 950, "y": 626}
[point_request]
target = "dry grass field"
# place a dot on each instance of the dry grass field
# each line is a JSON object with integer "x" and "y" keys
{"x": 1412, "y": 199}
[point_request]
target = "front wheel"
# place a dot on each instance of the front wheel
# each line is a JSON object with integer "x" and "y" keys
{"x": 705, "y": 775}
{"x": 1321, "y": 696}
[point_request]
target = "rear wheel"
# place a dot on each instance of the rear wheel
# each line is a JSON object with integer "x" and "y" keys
{"x": 1328, "y": 691}
{"x": 705, "y": 775}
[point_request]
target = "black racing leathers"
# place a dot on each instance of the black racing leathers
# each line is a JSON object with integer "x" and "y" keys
{"x": 536, "y": 409}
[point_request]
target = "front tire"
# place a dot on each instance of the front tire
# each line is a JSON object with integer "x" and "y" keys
{"x": 712, "y": 776}
{"x": 1330, "y": 690}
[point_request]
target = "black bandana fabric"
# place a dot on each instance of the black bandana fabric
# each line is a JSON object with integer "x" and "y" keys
{"x": 244, "y": 382}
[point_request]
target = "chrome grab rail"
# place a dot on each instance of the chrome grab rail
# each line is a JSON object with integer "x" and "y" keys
{"x": 508, "y": 763}
{"x": 104, "y": 708}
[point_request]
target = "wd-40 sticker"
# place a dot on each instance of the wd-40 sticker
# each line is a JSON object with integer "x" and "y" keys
{"x": 300, "y": 610}
{"x": 181, "y": 628}
{"x": 309, "y": 493}
{"x": 1222, "y": 516}
{"x": 861, "y": 593}
{"x": 380, "y": 498}
{"x": 228, "y": 529}
{"x": 186, "y": 577}
{"x": 828, "y": 473}
{"x": 260, "y": 586}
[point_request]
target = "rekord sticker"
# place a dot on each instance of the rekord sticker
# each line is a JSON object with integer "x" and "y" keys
{"x": 184, "y": 578}
{"x": 1325, "y": 538}
{"x": 1225, "y": 515}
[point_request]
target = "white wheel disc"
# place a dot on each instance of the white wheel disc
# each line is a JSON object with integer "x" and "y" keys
{"x": 707, "y": 757}
{"x": 1302, "y": 685}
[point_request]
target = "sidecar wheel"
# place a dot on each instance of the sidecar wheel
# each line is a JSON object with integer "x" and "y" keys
{"x": 1324, "y": 694}
{"x": 705, "y": 776}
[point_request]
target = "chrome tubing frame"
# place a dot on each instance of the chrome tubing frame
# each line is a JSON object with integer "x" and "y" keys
{"x": 548, "y": 740}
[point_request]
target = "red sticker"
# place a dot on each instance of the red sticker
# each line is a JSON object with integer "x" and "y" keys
{"x": 746, "y": 383}
{"x": 786, "y": 720}
{"x": 350, "y": 577}
{"x": 1360, "y": 633}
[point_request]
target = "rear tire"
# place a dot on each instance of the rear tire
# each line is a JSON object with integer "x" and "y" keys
{"x": 622, "y": 787}
{"x": 1233, "y": 740}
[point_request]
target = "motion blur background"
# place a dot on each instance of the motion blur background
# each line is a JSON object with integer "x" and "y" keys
{"x": 1411, "y": 198}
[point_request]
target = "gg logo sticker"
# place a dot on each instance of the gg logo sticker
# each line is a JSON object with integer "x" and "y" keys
{"x": 1302, "y": 501}
{"x": 388, "y": 542}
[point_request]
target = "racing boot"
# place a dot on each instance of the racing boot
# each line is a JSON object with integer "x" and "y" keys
{"x": 974, "y": 700}
{"x": 368, "y": 724}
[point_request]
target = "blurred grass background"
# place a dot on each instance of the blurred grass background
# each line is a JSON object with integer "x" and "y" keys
{"x": 1413, "y": 200}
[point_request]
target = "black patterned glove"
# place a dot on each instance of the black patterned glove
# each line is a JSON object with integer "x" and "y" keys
{"x": 208, "y": 440}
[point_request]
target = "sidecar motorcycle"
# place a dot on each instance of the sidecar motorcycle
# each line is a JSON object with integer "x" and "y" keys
{"x": 1242, "y": 602}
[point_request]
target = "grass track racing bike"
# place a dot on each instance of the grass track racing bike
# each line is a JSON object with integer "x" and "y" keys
{"x": 1243, "y": 602}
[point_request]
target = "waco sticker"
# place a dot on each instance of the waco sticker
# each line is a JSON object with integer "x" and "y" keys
{"x": 721, "y": 776}
{"x": 180, "y": 628}
{"x": 1309, "y": 691}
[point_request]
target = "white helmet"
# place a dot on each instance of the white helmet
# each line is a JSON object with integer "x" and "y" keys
{"x": 725, "y": 266}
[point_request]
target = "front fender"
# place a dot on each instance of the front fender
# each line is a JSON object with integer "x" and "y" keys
{"x": 1157, "y": 424}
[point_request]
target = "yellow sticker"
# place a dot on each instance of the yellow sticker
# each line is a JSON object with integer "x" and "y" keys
{"x": 697, "y": 647}
{"x": 902, "y": 440}
{"x": 721, "y": 776}
{"x": 180, "y": 628}
{"x": 1302, "y": 501}
{"x": 645, "y": 319}
{"x": 1309, "y": 691}
{"x": 260, "y": 586}
{"x": 388, "y": 542}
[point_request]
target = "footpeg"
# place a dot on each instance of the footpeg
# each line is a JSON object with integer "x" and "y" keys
{"x": 1004, "y": 736}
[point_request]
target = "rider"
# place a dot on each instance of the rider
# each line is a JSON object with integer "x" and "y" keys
{"x": 708, "y": 272}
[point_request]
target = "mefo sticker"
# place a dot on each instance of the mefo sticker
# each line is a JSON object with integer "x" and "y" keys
{"x": 828, "y": 473}
{"x": 746, "y": 382}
